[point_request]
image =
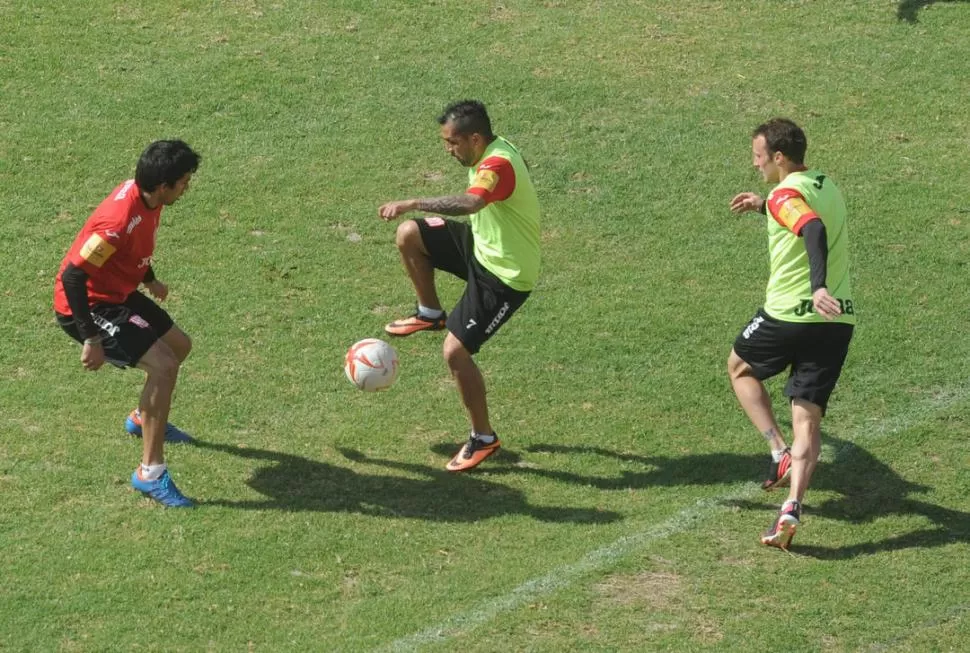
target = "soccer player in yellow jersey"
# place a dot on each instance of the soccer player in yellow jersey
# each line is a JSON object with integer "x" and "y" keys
{"x": 496, "y": 252}
{"x": 808, "y": 317}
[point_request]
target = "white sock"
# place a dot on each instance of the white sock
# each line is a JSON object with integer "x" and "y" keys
{"x": 776, "y": 455}
{"x": 432, "y": 313}
{"x": 484, "y": 438}
{"x": 152, "y": 472}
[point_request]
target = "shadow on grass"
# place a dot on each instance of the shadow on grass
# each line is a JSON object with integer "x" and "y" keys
{"x": 908, "y": 10}
{"x": 293, "y": 483}
{"x": 871, "y": 490}
{"x": 707, "y": 469}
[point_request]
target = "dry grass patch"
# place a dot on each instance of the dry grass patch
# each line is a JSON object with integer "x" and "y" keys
{"x": 655, "y": 589}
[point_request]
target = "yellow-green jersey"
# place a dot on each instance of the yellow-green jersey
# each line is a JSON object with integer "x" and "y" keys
{"x": 506, "y": 230}
{"x": 799, "y": 198}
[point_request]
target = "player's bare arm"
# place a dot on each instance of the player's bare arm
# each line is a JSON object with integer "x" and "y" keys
{"x": 157, "y": 289}
{"x": 743, "y": 202}
{"x": 464, "y": 204}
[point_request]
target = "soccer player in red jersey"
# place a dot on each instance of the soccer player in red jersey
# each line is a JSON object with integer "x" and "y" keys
{"x": 97, "y": 302}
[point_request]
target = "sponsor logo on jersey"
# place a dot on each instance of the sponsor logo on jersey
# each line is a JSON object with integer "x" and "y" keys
{"x": 135, "y": 221}
{"x": 123, "y": 193}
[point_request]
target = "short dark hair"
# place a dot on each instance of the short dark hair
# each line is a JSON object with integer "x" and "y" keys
{"x": 468, "y": 117}
{"x": 164, "y": 163}
{"x": 783, "y": 135}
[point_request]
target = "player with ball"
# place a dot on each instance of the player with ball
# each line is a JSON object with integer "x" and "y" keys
{"x": 496, "y": 252}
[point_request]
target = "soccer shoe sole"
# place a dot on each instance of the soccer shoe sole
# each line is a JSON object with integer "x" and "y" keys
{"x": 782, "y": 536}
{"x": 781, "y": 482}
{"x": 768, "y": 486}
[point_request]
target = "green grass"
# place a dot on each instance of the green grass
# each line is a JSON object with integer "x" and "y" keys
{"x": 623, "y": 512}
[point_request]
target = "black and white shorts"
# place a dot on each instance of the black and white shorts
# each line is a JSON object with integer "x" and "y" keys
{"x": 487, "y": 303}
{"x": 814, "y": 353}
{"x": 128, "y": 330}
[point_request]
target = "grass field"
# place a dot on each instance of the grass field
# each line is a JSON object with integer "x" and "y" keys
{"x": 623, "y": 512}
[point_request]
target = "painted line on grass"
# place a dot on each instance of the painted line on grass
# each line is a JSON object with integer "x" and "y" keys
{"x": 953, "y": 615}
{"x": 565, "y": 576}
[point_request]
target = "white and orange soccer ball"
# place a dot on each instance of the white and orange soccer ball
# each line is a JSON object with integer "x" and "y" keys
{"x": 371, "y": 365}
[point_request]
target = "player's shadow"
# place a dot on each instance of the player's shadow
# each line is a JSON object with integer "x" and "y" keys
{"x": 649, "y": 471}
{"x": 294, "y": 483}
{"x": 908, "y": 10}
{"x": 868, "y": 489}
{"x": 871, "y": 490}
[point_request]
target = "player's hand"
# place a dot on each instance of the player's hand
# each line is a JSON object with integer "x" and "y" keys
{"x": 92, "y": 356}
{"x": 392, "y": 210}
{"x": 744, "y": 202}
{"x": 157, "y": 289}
{"x": 825, "y": 304}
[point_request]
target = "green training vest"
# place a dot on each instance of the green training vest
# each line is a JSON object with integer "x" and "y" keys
{"x": 507, "y": 232}
{"x": 789, "y": 294}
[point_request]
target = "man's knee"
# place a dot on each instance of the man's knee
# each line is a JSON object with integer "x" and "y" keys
{"x": 736, "y": 366}
{"x": 179, "y": 342}
{"x": 806, "y": 417}
{"x": 187, "y": 348}
{"x": 408, "y": 236}
{"x": 161, "y": 362}
{"x": 455, "y": 353}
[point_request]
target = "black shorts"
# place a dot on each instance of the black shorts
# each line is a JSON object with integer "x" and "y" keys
{"x": 487, "y": 303}
{"x": 815, "y": 353}
{"x": 128, "y": 330}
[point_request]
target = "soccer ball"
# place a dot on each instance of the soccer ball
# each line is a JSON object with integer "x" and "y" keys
{"x": 371, "y": 365}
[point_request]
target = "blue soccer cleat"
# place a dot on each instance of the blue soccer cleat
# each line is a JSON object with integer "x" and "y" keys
{"x": 172, "y": 433}
{"x": 162, "y": 490}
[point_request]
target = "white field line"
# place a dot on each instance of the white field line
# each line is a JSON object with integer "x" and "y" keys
{"x": 953, "y": 615}
{"x": 606, "y": 556}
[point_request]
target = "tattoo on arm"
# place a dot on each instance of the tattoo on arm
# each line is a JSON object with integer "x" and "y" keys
{"x": 451, "y": 205}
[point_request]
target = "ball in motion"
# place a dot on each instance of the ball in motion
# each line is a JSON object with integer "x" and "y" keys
{"x": 371, "y": 365}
